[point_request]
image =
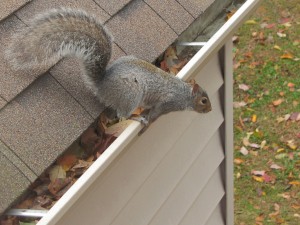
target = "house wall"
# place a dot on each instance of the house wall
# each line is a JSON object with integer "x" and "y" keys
{"x": 175, "y": 173}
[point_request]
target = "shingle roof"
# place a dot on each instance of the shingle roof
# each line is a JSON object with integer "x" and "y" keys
{"x": 41, "y": 115}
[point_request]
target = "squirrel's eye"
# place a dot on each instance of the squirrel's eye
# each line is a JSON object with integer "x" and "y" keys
{"x": 203, "y": 101}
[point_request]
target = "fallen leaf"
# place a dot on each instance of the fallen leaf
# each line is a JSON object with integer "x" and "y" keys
{"x": 296, "y": 206}
{"x": 254, "y": 118}
{"x": 277, "y": 102}
{"x": 291, "y": 144}
{"x": 263, "y": 144}
{"x": 295, "y": 116}
{"x": 271, "y": 25}
{"x": 58, "y": 184}
{"x": 258, "y": 179}
{"x": 285, "y": 195}
{"x": 287, "y": 55}
{"x": 239, "y": 104}
{"x": 295, "y": 183}
{"x": 238, "y": 161}
{"x": 258, "y": 172}
{"x": 277, "y": 47}
{"x": 281, "y": 156}
{"x": 281, "y": 35}
{"x": 246, "y": 141}
{"x": 244, "y": 151}
{"x": 275, "y": 167}
{"x": 67, "y": 161}
{"x": 254, "y": 145}
{"x": 57, "y": 172}
{"x": 250, "y": 22}
{"x": 244, "y": 87}
{"x": 291, "y": 85}
{"x": 260, "y": 218}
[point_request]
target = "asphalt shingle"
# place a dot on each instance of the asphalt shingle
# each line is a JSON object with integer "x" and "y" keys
{"x": 173, "y": 13}
{"x": 11, "y": 82}
{"x": 42, "y": 122}
{"x": 139, "y": 31}
{"x": 112, "y": 6}
{"x": 196, "y": 7}
{"x": 12, "y": 184}
{"x": 2, "y": 103}
{"x": 18, "y": 163}
{"x": 9, "y": 6}
{"x": 37, "y": 7}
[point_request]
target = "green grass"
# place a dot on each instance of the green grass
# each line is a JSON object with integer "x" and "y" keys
{"x": 262, "y": 68}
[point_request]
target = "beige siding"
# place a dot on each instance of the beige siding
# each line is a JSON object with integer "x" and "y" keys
{"x": 172, "y": 162}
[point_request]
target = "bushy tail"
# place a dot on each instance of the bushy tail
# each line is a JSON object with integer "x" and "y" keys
{"x": 60, "y": 33}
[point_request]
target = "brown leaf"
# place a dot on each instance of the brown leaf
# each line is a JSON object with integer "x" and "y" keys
{"x": 287, "y": 55}
{"x": 295, "y": 116}
{"x": 244, "y": 87}
{"x": 67, "y": 161}
{"x": 58, "y": 184}
{"x": 277, "y": 102}
{"x": 238, "y": 161}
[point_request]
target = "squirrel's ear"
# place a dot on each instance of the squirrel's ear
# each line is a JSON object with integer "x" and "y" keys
{"x": 196, "y": 88}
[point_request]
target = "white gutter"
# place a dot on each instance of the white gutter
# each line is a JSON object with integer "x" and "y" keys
{"x": 198, "y": 61}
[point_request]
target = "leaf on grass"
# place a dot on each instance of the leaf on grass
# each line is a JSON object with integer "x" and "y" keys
{"x": 260, "y": 218}
{"x": 277, "y": 47}
{"x": 258, "y": 172}
{"x": 281, "y": 35}
{"x": 254, "y": 118}
{"x": 296, "y": 206}
{"x": 250, "y": 22}
{"x": 277, "y": 102}
{"x": 295, "y": 183}
{"x": 287, "y": 55}
{"x": 254, "y": 145}
{"x": 244, "y": 87}
{"x": 244, "y": 151}
{"x": 295, "y": 116}
{"x": 57, "y": 172}
{"x": 246, "y": 141}
{"x": 239, "y": 104}
{"x": 238, "y": 161}
{"x": 275, "y": 167}
{"x": 281, "y": 156}
{"x": 291, "y": 144}
{"x": 263, "y": 144}
{"x": 258, "y": 178}
{"x": 285, "y": 195}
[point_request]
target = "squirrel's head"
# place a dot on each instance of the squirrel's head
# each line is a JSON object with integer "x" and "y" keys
{"x": 201, "y": 102}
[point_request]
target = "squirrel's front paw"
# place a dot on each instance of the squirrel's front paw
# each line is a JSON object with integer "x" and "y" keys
{"x": 143, "y": 121}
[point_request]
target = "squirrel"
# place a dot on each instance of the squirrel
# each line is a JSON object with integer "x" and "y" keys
{"x": 123, "y": 86}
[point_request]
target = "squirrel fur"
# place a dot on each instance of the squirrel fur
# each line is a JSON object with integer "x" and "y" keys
{"x": 123, "y": 86}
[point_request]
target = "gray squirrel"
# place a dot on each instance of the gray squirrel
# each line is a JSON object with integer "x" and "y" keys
{"x": 123, "y": 86}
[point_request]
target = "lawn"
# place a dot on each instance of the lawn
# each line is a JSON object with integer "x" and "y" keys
{"x": 267, "y": 115}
